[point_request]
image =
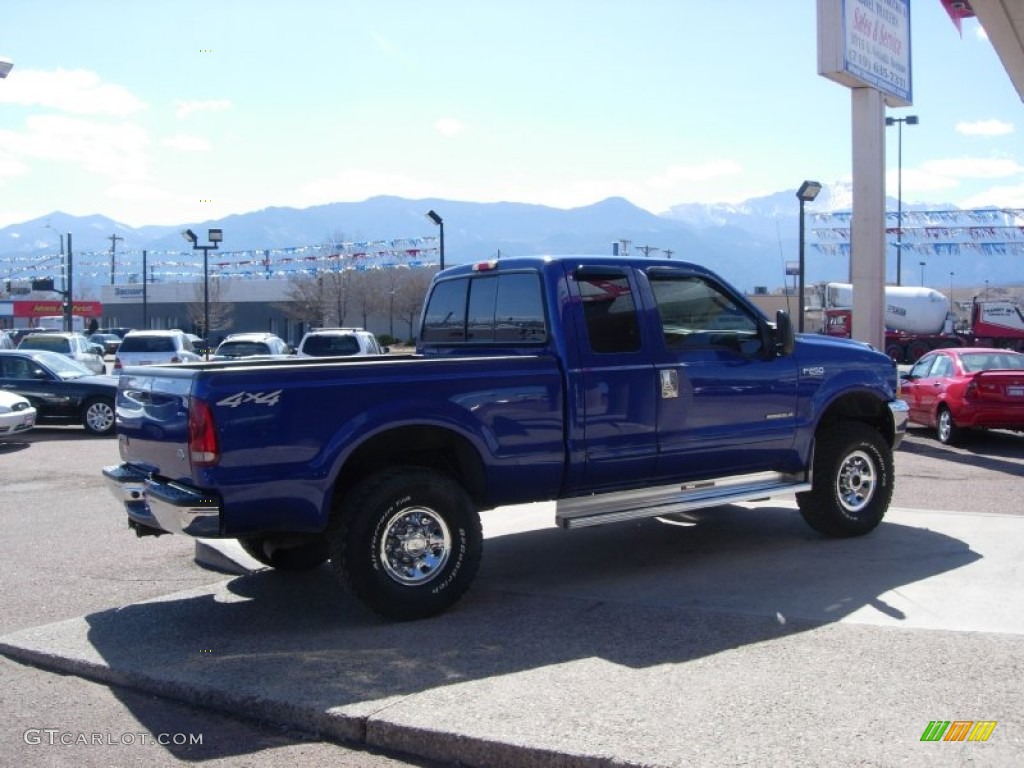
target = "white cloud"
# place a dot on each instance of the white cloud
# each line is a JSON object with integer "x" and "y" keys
{"x": 185, "y": 108}
{"x": 984, "y": 128}
{"x": 112, "y": 150}
{"x": 11, "y": 166}
{"x": 77, "y": 91}
{"x": 1001, "y": 197}
{"x": 973, "y": 167}
{"x": 187, "y": 143}
{"x": 713, "y": 169}
{"x": 449, "y": 126}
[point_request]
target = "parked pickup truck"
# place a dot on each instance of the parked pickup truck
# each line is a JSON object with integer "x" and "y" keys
{"x": 621, "y": 388}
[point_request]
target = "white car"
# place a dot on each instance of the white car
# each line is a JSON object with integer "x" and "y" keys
{"x": 340, "y": 342}
{"x": 73, "y": 345}
{"x": 16, "y": 414}
{"x": 154, "y": 348}
{"x": 249, "y": 346}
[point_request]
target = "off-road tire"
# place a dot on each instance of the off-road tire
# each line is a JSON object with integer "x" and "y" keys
{"x": 406, "y": 541}
{"x": 853, "y": 481}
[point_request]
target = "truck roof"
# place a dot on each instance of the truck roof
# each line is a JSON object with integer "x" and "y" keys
{"x": 534, "y": 261}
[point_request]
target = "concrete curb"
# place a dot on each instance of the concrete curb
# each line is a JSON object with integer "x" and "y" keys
{"x": 365, "y": 731}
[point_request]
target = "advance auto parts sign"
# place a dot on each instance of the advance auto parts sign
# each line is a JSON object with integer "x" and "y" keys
{"x": 48, "y": 308}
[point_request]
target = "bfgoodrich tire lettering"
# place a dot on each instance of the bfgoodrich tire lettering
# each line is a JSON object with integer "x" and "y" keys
{"x": 407, "y": 542}
{"x": 853, "y": 481}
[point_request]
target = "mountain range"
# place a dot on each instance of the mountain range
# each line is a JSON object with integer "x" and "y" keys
{"x": 748, "y": 243}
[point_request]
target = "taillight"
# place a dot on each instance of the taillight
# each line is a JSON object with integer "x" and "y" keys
{"x": 971, "y": 391}
{"x": 203, "y": 450}
{"x": 117, "y": 364}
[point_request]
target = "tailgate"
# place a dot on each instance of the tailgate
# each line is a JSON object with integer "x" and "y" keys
{"x": 152, "y": 419}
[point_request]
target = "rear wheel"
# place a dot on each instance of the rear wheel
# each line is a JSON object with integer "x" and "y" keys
{"x": 407, "y": 542}
{"x": 853, "y": 481}
{"x": 98, "y": 416}
{"x": 285, "y": 556}
{"x": 946, "y": 430}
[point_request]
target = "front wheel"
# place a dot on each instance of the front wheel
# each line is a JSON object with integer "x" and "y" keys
{"x": 407, "y": 542}
{"x": 98, "y": 416}
{"x": 853, "y": 481}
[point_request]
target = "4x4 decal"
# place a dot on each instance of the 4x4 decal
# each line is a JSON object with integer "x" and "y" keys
{"x": 259, "y": 398}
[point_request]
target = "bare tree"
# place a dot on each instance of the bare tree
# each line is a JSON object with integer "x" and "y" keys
{"x": 221, "y": 311}
{"x": 307, "y": 300}
{"x": 412, "y": 290}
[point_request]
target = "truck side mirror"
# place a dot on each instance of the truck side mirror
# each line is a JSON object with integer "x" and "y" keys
{"x": 785, "y": 340}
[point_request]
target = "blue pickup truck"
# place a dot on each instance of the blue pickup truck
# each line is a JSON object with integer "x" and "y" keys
{"x": 620, "y": 388}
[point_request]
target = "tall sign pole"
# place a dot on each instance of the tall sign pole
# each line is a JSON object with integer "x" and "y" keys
{"x": 865, "y": 45}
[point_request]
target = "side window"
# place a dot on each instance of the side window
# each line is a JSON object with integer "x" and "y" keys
{"x": 696, "y": 313}
{"x": 609, "y": 311}
{"x": 943, "y": 366}
{"x": 921, "y": 368}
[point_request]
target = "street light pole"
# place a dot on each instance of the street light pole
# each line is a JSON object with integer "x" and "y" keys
{"x": 439, "y": 222}
{"x": 215, "y": 236}
{"x": 899, "y": 121}
{"x": 806, "y": 194}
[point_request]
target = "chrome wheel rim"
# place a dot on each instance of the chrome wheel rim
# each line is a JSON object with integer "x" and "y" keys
{"x": 415, "y": 545}
{"x": 856, "y": 481}
{"x": 945, "y": 426}
{"x": 100, "y": 417}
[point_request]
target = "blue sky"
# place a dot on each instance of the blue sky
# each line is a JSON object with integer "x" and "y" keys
{"x": 172, "y": 111}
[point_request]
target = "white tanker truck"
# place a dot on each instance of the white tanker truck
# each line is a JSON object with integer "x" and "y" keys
{"x": 918, "y": 319}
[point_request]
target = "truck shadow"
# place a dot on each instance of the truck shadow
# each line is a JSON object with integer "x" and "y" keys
{"x": 635, "y": 595}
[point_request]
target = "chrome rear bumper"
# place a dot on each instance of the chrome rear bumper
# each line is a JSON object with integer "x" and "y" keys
{"x": 163, "y": 505}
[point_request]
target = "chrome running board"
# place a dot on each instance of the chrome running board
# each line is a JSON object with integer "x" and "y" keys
{"x": 597, "y": 509}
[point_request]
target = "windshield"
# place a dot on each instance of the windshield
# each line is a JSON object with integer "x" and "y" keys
{"x": 63, "y": 366}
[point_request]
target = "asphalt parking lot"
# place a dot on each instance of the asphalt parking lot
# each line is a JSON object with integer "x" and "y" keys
{"x": 734, "y": 637}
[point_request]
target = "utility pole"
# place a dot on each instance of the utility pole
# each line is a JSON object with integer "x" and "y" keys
{"x": 113, "y": 245}
{"x": 69, "y": 301}
{"x": 647, "y": 249}
{"x": 668, "y": 253}
{"x": 145, "y": 317}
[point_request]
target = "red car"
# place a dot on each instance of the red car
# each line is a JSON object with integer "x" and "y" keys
{"x": 957, "y": 389}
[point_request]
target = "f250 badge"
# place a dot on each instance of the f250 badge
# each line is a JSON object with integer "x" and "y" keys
{"x": 259, "y": 398}
{"x": 815, "y": 370}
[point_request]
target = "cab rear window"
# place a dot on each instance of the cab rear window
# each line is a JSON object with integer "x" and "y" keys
{"x": 506, "y": 308}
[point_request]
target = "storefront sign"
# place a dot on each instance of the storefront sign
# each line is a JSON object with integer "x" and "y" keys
{"x": 866, "y": 44}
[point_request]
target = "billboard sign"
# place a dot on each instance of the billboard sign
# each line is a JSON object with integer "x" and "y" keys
{"x": 866, "y": 44}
